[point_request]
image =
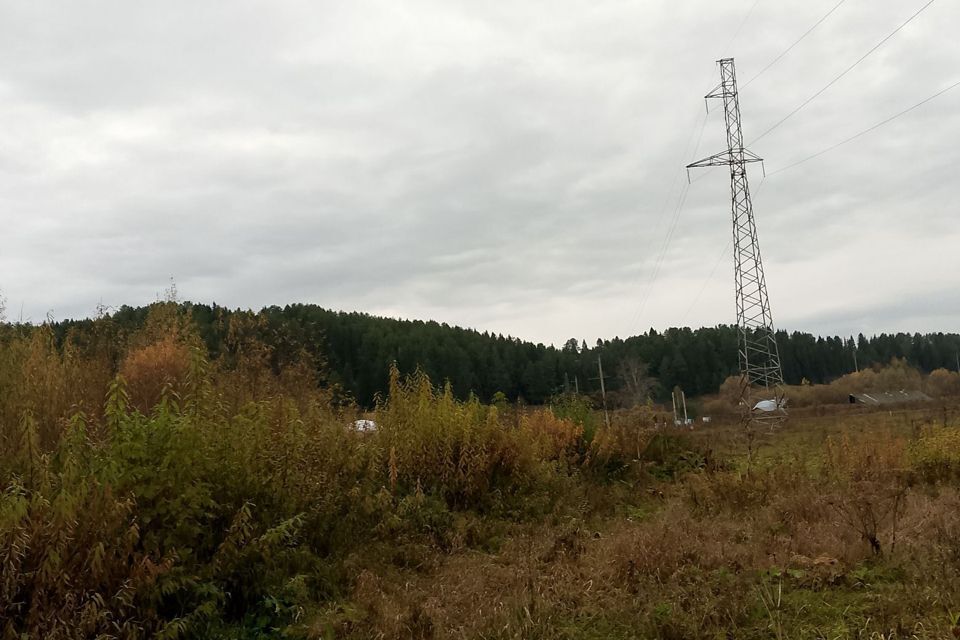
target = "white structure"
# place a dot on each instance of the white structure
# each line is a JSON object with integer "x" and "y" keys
{"x": 767, "y": 406}
{"x": 364, "y": 426}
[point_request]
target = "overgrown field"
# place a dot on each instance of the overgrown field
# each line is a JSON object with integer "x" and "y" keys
{"x": 149, "y": 491}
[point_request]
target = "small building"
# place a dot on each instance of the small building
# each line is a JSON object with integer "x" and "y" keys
{"x": 883, "y": 398}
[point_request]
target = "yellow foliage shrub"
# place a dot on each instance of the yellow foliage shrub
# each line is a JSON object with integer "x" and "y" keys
{"x": 936, "y": 453}
{"x": 942, "y": 383}
{"x": 149, "y": 369}
{"x": 457, "y": 449}
{"x": 624, "y": 440}
{"x": 555, "y": 438}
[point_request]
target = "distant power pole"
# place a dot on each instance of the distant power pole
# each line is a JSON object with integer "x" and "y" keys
{"x": 855, "y": 365}
{"x": 603, "y": 392}
{"x": 678, "y": 401}
{"x": 758, "y": 353}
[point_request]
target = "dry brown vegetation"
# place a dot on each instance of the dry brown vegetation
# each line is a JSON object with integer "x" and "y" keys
{"x": 150, "y": 491}
{"x": 896, "y": 376}
{"x": 841, "y": 531}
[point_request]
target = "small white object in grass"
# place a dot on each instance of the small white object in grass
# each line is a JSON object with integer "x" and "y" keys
{"x": 768, "y": 405}
{"x": 364, "y": 426}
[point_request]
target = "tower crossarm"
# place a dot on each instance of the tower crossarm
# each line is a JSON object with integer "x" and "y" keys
{"x": 727, "y": 157}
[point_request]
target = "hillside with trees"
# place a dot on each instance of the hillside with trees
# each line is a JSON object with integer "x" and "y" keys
{"x": 356, "y": 351}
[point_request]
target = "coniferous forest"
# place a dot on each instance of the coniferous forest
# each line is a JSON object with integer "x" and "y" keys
{"x": 356, "y": 350}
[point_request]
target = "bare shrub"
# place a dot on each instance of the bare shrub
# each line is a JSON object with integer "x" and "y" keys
{"x": 870, "y": 480}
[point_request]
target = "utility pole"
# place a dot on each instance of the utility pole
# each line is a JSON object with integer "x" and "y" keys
{"x": 677, "y": 404}
{"x": 758, "y": 353}
{"x": 855, "y": 365}
{"x": 603, "y": 392}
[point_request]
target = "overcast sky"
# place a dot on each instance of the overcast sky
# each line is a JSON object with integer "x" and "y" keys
{"x": 509, "y": 166}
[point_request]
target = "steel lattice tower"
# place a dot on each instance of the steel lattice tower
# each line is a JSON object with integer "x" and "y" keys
{"x": 762, "y": 377}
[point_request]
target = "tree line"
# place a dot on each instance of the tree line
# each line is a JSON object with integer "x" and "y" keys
{"x": 355, "y": 351}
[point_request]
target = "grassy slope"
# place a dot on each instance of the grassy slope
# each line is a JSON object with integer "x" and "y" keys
{"x": 776, "y": 554}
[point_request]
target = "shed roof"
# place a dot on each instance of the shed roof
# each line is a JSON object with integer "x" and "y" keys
{"x": 877, "y": 398}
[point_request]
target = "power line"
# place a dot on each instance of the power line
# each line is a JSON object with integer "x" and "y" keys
{"x": 671, "y": 229}
{"x": 868, "y": 129}
{"x": 713, "y": 271}
{"x": 660, "y": 257}
{"x": 795, "y": 43}
{"x": 703, "y": 287}
{"x": 686, "y": 147}
{"x": 663, "y": 209}
{"x": 843, "y": 73}
{"x": 743, "y": 22}
{"x": 635, "y": 317}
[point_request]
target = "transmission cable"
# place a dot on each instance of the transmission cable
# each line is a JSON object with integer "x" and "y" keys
{"x": 843, "y": 73}
{"x": 663, "y": 251}
{"x": 868, "y": 129}
{"x": 635, "y": 316}
{"x": 665, "y": 245}
{"x": 743, "y": 22}
{"x": 716, "y": 265}
{"x": 671, "y": 230}
{"x": 706, "y": 282}
{"x": 795, "y": 43}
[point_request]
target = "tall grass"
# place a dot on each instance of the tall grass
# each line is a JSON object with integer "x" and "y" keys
{"x": 148, "y": 491}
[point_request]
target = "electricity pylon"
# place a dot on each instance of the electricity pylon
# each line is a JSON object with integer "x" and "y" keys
{"x": 761, "y": 375}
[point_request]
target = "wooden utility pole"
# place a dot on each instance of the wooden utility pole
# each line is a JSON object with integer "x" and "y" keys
{"x": 603, "y": 392}
{"x": 678, "y": 403}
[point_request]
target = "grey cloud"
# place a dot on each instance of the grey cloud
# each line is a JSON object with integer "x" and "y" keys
{"x": 509, "y": 166}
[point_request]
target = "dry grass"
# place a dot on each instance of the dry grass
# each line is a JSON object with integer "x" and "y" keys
{"x": 788, "y": 551}
{"x": 895, "y": 376}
